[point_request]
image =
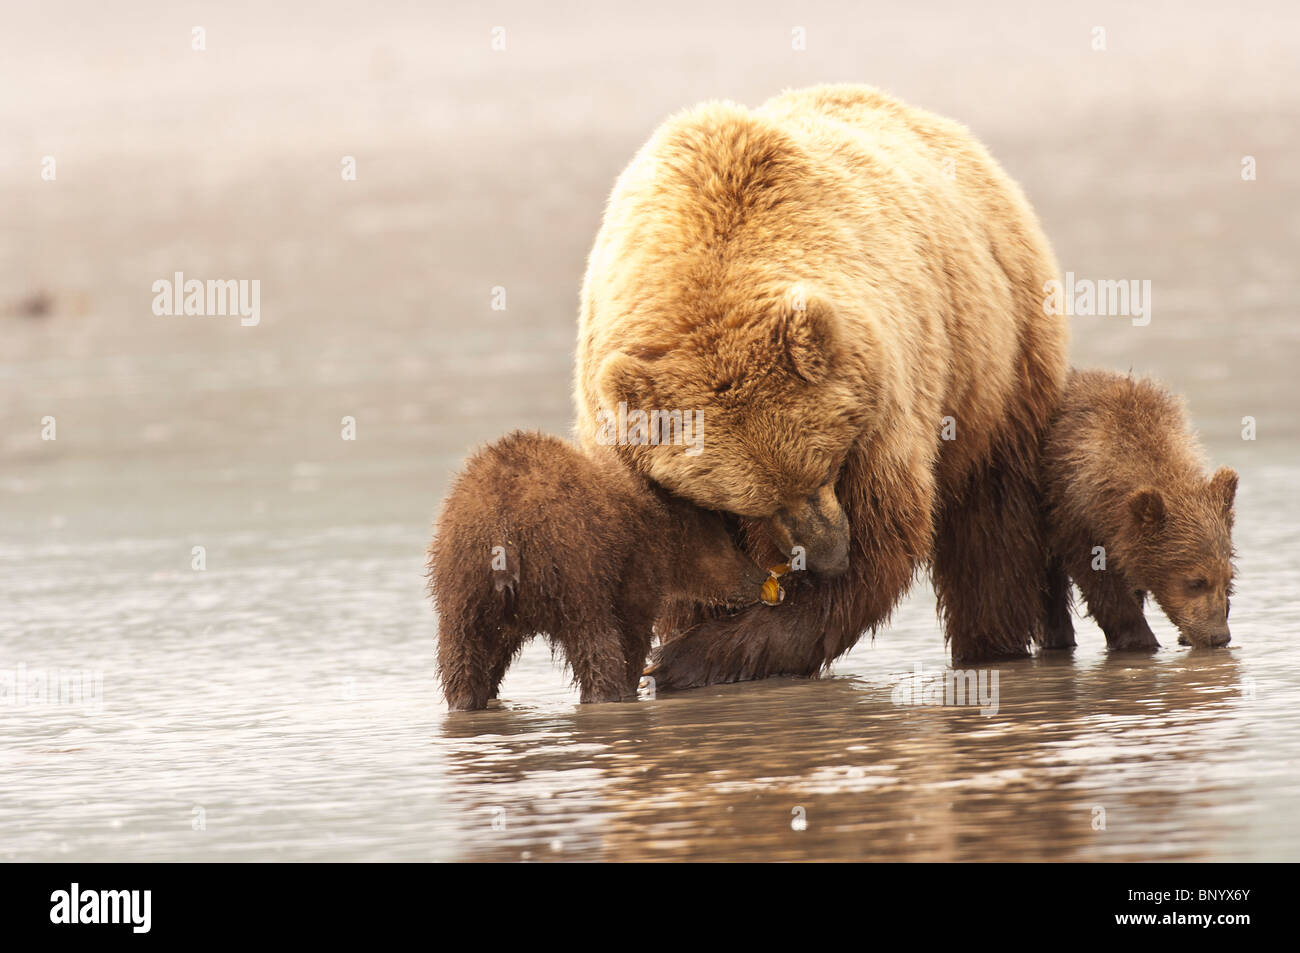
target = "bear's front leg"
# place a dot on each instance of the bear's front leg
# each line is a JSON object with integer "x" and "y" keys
{"x": 757, "y": 642}
{"x": 888, "y": 510}
{"x": 990, "y": 563}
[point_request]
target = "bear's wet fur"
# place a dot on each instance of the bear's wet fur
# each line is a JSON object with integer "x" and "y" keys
{"x": 851, "y": 291}
{"x": 1123, "y": 471}
{"x": 537, "y": 538}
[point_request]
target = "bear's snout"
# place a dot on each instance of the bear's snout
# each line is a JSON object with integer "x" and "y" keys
{"x": 816, "y": 524}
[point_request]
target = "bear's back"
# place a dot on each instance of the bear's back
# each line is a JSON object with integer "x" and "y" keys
{"x": 931, "y": 255}
{"x": 564, "y": 520}
{"x": 1112, "y": 434}
{"x": 957, "y": 222}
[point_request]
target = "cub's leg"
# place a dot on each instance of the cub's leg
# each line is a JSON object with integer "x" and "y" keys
{"x": 1117, "y": 608}
{"x": 636, "y": 647}
{"x": 1060, "y": 628}
{"x": 636, "y": 609}
{"x": 594, "y": 649}
{"x": 465, "y": 666}
{"x": 504, "y": 652}
{"x": 498, "y": 675}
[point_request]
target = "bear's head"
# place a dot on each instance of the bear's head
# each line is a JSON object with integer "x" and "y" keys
{"x": 707, "y": 565}
{"x": 770, "y": 404}
{"x": 1183, "y": 554}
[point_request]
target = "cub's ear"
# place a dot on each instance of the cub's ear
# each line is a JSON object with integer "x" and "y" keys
{"x": 623, "y": 377}
{"x": 1223, "y": 490}
{"x": 806, "y": 331}
{"x": 1147, "y": 507}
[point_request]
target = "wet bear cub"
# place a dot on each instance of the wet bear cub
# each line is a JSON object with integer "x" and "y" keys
{"x": 1123, "y": 472}
{"x": 537, "y": 537}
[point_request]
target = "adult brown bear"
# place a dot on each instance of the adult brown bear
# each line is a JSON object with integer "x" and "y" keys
{"x": 851, "y": 292}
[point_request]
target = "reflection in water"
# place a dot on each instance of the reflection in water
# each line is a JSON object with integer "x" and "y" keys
{"x": 287, "y": 698}
{"x": 716, "y": 774}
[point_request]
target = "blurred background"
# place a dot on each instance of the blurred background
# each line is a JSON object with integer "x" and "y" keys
{"x": 287, "y": 689}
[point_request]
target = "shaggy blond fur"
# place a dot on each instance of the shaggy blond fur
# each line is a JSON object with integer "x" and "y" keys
{"x": 827, "y": 277}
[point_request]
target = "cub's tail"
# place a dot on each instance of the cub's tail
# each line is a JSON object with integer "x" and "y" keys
{"x": 505, "y": 577}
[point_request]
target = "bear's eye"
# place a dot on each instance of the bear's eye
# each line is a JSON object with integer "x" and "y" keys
{"x": 1197, "y": 585}
{"x": 721, "y": 387}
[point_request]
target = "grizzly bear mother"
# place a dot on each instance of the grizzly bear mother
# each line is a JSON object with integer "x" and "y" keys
{"x": 851, "y": 292}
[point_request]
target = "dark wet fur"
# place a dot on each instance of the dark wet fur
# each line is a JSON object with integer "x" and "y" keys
{"x": 592, "y": 555}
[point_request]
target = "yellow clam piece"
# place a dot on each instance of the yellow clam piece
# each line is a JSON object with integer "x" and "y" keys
{"x": 772, "y": 592}
{"x": 780, "y": 570}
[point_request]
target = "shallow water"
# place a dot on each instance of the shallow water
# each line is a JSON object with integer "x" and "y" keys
{"x": 287, "y": 692}
{"x": 280, "y": 703}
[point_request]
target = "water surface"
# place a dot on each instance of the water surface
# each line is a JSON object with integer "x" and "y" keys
{"x": 281, "y": 703}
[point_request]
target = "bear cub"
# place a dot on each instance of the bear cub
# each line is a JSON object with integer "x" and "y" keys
{"x": 1123, "y": 471}
{"x": 536, "y": 537}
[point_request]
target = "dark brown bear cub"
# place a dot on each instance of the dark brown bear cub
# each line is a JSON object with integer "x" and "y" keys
{"x": 1131, "y": 512}
{"x": 536, "y": 537}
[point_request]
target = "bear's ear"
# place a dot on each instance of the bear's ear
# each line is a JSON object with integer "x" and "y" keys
{"x": 1223, "y": 490}
{"x": 623, "y": 377}
{"x": 1148, "y": 508}
{"x": 806, "y": 332}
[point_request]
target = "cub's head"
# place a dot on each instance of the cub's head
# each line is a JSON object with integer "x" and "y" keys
{"x": 751, "y": 414}
{"x": 708, "y": 566}
{"x": 1184, "y": 547}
